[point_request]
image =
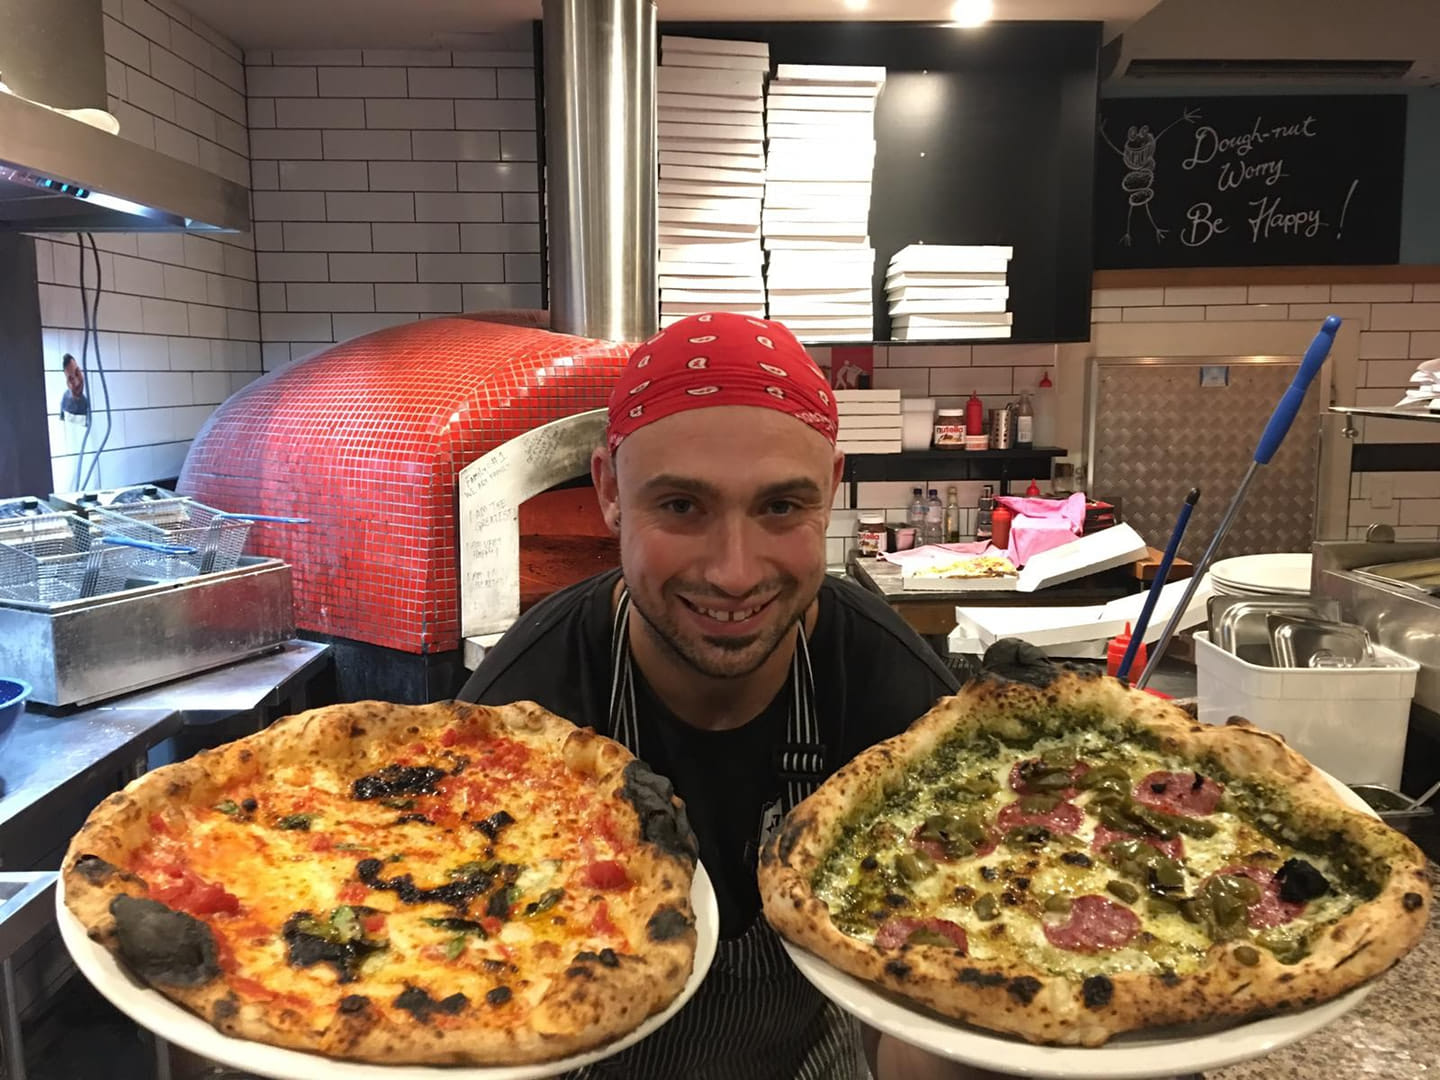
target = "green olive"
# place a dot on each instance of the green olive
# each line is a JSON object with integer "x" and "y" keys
{"x": 1124, "y": 890}
{"x": 986, "y": 908}
{"x": 1193, "y": 910}
{"x": 1286, "y": 948}
{"x": 1104, "y": 776}
{"x": 1039, "y": 803}
{"x": 1049, "y": 780}
{"x": 1166, "y": 875}
{"x": 1060, "y": 757}
{"x": 914, "y": 865}
{"x": 1246, "y": 890}
{"x": 980, "y": 784}
{"x": 1058, "y": 904}
{"x": 929, "y": 937}
{"x": 1156, "y": 906}
{"x": 1247, "y": 955}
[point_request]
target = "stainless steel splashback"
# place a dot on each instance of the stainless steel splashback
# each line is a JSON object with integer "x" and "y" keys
{"x": 1155, "y": 432}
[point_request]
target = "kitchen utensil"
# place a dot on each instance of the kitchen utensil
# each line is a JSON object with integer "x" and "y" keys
{"x": 1272, "y": 574}
{"x": 13, "y": 694}
{"x": 1237, "y": 623}
{"x": 55, "y": 557}
{"x": 1302, "y": 642}
{"x": 1270, "y": 440}
{"x": 1397, "y": 810}
{"x": 1415, "y": 804}
{"x": 1002, "y": 429}
{"x": 1163, "y": 572}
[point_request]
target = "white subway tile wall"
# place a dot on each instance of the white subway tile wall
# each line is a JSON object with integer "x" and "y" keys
{"x": 178, "y": 314}
{"x": 390, "y": 186}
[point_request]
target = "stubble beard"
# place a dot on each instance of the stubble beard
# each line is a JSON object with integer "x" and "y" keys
{"x": 727, "y": 657}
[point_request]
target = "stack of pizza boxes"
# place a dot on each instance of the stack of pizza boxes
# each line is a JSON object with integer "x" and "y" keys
{"x": 712, "y": 174}
{"x": 870, "y": 421}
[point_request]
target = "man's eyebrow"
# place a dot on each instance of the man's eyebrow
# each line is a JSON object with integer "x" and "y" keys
{"x": 801, "y": 486}
{"x": 675, "y": 482}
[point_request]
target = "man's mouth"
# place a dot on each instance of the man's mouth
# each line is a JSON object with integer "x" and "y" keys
{"x": 727, "y": 615}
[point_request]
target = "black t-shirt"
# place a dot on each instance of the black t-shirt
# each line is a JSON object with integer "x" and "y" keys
{"x": 873, "y": 676}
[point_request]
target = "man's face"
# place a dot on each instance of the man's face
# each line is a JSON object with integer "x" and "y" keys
{"x": 723, "y": 536}
{"x": 74, "y": 378}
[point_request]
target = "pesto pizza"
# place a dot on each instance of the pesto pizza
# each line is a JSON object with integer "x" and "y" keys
{"x": 447, "y": 884}
{"x": 1068, "y": 862}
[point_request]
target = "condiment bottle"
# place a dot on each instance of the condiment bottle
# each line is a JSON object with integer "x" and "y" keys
{"x": 1115, "y": 653}
{"x": 1024, "y": 422}
{"x": 1033, "y": 491}
{"x": 974, "y": 415}
{"x": 1044, "y": 405}
{"x": 1000, "y": 525}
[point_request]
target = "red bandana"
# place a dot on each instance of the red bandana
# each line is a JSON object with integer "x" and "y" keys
{"x": 720, "y": 359}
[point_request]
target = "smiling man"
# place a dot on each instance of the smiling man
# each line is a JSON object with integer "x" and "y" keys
{"x": 722, "y": 654}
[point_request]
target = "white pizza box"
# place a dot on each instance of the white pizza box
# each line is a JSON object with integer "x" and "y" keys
{"x": 856, "y": 92}
{"x": 682, "y": 308}
{"x": 814, "y": 167}
{"x": 783, "y": 308}
{"x": 870, "y": 408}
{"x": 686, "y": 145}
{"x": 813, "y": 243}
{"x": 702, "y": 202}
{"x": 950, "y": 333}
{"x": 868, "y": 446}
{"x": 752, "y": 124}
{"x": 954, "y": 318}
{"x": 831, "y": 73}
{"x": 947, "y": 307}
{"x": 723, "y": 46}
{"x": 818, "y": 282}
{"x": 979, "y": 279}
{"x": 957, "y": 292}
{"x": 748, "y": 297}
{"x": 722, "y": 189}
{"x": 839, "y": 337}
{"x": 1079, "y": 632}
{"x": 729, "y": 61}
{"x": 805, "y": 192}
{"x": 684, "y": 233}
{"x": 834, "y": 144}
{"x": 781, "y": 133}
{"x": 746, "y": 162}
{"x": 832, "y": 229}
{"x": 799, "y": 323}
{"x": 748, "y": 133}
{"x": 795, "y": 97}
{"x": 851, "y": 258}
{"x": 731, "y": 253}
{"x": 784, "y": 111}
{"x": 753, "y": 282}
{"x": 887, "y": 422}
{"x": 727, "y": 105}
{"x": 941, "y": 258}
{"x": 709, "y": 81}
{"x": 785, "y": 295}
{"x": 1083, "y": 556}
{"x": 719, "y": 215}
{"x": 1351, "y": 722}
{"x": 857, "y": 397}
{"x": 821, "y": 209}
{"x": 705, "y": 172}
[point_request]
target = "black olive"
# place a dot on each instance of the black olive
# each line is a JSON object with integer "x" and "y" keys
{"x": 249, "y": 805}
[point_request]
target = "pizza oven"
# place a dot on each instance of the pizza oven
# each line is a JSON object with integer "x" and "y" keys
{"x": 367, "y": 438}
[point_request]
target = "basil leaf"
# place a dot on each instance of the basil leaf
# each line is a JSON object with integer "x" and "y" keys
{"x": 227, "y": 806}
{"x": 295, "y": 822}
{"x": 454, "y": 947}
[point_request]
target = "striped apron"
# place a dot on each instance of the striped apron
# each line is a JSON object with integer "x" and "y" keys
{"x": 754, "y": 1016}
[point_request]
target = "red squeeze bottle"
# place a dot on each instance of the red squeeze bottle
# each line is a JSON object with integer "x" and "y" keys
{"x": 974, "y": 415}
{"x": 1033, "y": 491}
{"x": 1115, "y": 653}
{"x": 1000, "y": 520}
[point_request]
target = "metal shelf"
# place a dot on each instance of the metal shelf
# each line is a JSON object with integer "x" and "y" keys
{"x": 1390, "y": 413}
{"x": 1001, "y": 465}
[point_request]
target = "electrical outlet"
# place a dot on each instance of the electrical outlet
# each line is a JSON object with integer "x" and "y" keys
{"x": 1382, "y": 492}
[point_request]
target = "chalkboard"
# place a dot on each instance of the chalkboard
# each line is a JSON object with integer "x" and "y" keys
{"x": 1249, "y": 181}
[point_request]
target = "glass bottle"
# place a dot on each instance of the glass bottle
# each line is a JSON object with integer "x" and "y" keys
{"x": 934, "y": 519}
{"x": 952, "y": 516}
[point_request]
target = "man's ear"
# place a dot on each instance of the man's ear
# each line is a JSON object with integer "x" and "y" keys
{"x": 837, "y": 473}
{"x": 607, "y": 490}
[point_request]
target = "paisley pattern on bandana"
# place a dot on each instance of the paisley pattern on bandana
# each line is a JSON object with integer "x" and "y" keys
{"x": 665, "y": 375}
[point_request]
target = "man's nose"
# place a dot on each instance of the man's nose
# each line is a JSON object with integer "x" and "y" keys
{"x": 733, "y": 564}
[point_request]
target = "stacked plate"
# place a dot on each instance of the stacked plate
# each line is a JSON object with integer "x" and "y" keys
{"x": 940, "y": 291}
{"x": 712, "y": 176}
{"x": 1279, "y": 574}
{"x": 820, "y": 120}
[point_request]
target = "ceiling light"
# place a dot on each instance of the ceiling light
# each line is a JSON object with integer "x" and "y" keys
{"x": 972, "y": 12}
{"x": 856, "y": 5}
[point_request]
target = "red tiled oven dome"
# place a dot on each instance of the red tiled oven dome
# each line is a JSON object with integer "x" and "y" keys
{"x": 367, "y": 440}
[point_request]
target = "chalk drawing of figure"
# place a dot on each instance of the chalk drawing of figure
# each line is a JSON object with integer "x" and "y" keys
{"x": 1138, "y": 155}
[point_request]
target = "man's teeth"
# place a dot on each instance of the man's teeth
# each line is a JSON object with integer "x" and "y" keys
{"x": 727, "y": 616}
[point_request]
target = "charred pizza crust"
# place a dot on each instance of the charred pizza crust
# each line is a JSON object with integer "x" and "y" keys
{"x": 592, "y": 999}
{"x": 1045, "y": 1007}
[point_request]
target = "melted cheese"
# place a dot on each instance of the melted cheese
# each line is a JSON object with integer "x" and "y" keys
{"x": 561, "y": 826}
{"x": 1020, "y": 880}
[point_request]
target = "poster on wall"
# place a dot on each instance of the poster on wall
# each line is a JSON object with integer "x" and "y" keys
{"x": 1249, "y": 181}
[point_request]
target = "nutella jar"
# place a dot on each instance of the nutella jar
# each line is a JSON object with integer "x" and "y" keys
{"x": 950, "y": 429}
{"x": 871, "y": 539}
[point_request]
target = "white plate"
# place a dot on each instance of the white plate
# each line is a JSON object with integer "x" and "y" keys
{"x": 1162, "y": 1052}
{"x": 1278, "y": 572}
{"x": 150, "y": 1009}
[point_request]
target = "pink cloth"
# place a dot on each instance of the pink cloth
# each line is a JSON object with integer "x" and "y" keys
{"x": 1042, "y": 524}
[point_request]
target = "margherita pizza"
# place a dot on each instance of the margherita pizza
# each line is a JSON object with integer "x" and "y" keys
{"x": 1070, "y": 862}
{"x": 434, "y": 884}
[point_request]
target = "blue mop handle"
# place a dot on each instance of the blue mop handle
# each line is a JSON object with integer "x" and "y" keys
{"x": 1137, "y": 633}
{"x": 1285, "y": 412}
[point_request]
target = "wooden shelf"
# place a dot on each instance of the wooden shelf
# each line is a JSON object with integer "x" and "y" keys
{"x": 999, "y": 465}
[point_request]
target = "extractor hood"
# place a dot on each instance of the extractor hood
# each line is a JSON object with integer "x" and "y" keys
{"x": 58, "y": 174}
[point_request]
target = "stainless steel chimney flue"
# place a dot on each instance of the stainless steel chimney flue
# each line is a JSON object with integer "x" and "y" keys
{"x": 601, "y": 161}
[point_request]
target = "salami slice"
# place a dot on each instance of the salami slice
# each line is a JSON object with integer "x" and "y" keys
{"x": 1064, "y": 817}
{"x": 1269, "y": 910}
{"x": 1189, "y": 794}
{"x": 896, "y": 932}
{"x": 1174, "y": 847}
{"x": 1021, "y": 772}
{"x": 1095, "y": 923}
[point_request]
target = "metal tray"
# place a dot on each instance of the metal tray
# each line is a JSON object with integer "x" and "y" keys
{"x": 1238, "y": 623}
{"x": 1306, "y": 642}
